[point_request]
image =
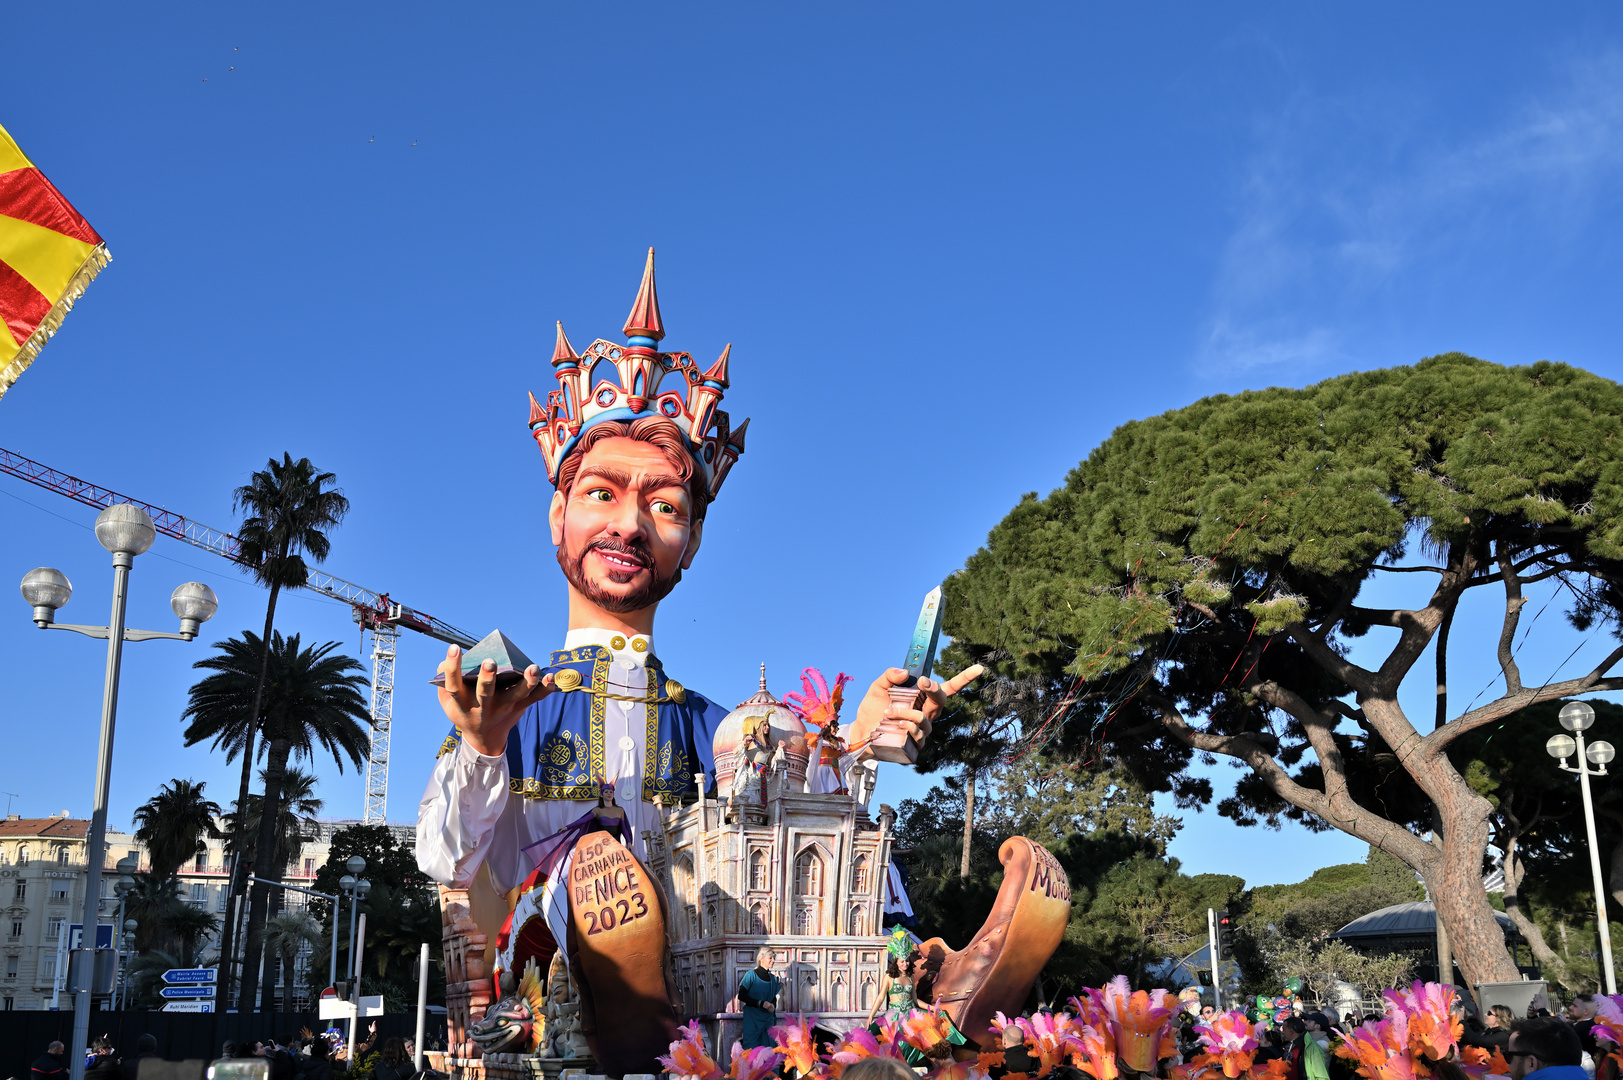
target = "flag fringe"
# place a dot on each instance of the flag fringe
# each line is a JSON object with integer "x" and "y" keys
{"x": 93, "y": 265}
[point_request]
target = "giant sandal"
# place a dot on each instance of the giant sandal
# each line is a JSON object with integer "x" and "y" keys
{"x": 618, "y": 947}
{"x": 996, "y": 970}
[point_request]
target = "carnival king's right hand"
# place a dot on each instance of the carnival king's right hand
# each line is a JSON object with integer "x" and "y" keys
{"x": 482, "y": 713}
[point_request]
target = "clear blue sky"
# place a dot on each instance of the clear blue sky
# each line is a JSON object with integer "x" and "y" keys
{"x": 953, "y": 247}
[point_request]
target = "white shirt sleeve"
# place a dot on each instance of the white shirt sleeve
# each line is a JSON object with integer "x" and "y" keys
{"x": 456, "y": 821}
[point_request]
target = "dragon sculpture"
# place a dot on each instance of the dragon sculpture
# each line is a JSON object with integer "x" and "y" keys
{"x": 517, "y": 1023}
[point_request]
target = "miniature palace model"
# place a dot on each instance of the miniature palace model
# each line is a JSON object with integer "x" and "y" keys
{"x": 777, "y": 865}
{"x": 803, "y": 873}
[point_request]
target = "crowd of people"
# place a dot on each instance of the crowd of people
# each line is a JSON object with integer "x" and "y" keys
{"x": 305, "y": 1056}
{"x": 1425, "y": 1032}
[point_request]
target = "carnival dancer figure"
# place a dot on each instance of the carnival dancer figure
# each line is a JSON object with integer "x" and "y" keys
{"x": 516, "y": 788}
{"x": 757, "y": 757}
{"x": 819, "y": 708}
{"x": 898, "y": 993}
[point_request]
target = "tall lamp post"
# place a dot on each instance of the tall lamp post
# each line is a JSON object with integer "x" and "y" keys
{"x": 130, "y": 927}
{"x": 126, "y": 531}
{"x": 355, "y": 887}
{"x": 128, "y": 865}
{"x": 1577, "y": 717}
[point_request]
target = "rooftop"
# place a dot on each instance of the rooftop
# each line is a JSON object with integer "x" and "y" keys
{"x": 1402, "y": 921}
{"x": 15, "y": 827}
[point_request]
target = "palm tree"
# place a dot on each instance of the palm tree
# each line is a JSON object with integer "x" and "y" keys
{"x": 172, "y": 822}
{"x": 146, "y": 977}
{"x": 188, "y": 926}
{"x": 149, "y": 902}
{"x": 296, "y": 825}
{"x": 289, "y": 508}
{"x": 285, "y": 933}
{"x": 313, "y": 700}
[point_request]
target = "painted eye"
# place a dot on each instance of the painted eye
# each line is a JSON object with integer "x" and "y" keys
{"x": 600, "y": 494}
{"x": 663, "y": 507}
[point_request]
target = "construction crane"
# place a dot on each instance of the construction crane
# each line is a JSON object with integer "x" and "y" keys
{"x": 373, "y": 611}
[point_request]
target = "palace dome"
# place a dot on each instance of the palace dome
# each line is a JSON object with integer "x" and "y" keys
{"x": 786, "y": 727}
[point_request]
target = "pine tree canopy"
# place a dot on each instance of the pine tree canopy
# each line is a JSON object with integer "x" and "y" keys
{"x": 1193, "y": 585}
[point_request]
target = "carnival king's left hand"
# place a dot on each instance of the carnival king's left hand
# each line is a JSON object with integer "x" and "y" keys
{"x": 876, "y": 706}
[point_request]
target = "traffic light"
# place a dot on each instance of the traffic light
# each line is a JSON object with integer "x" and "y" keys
{"x": 1225, "y": 935}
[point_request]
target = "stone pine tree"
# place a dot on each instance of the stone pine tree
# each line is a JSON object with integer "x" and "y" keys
{"x": 1194, "y": 586}
{"x": 288, "y": 508}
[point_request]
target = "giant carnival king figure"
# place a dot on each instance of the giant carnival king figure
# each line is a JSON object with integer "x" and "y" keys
{"x": 554, "y": 778}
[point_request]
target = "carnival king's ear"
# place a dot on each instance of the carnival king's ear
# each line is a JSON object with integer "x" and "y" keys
{"x": 555, "y": 518}
{"x": 634, "y": 381}
{"x": 695, "y": 537}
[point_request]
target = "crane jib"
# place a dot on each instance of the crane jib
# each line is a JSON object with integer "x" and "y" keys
{"x": 373, "y": 611}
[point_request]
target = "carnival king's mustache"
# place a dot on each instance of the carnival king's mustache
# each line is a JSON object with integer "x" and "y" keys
{"x": 657, "y": 588}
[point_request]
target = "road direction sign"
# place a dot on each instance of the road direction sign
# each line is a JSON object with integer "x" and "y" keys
{"x": 189, "y": 975}
{"x": 187, "y": 991}
{"x": 189, "y": 1006}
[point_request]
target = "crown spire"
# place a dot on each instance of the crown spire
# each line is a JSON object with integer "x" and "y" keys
{"x": 763, "y": 675}
{"x": 563, "y": 352}
{"x": 644, "y": 320}
{"x": 718, "y": 370}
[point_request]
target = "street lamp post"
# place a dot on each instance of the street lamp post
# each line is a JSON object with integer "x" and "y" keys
{"x": 130, "y": 927}
{"x": 126, "y": 866}
{"x": 126, "y": 531}
{"x": 355, "y": 887}
{"x": 1577, "y": 717}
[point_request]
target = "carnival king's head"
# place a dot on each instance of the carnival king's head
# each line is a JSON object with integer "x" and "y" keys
{"x": 636, "y": 450}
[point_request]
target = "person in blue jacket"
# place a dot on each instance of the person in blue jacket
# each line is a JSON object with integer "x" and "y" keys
{"x": 1545, "y": 1048}
{"x": 758, "y": 993}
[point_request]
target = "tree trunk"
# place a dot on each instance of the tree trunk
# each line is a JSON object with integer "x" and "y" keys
{"x": 266, "y": 866}
{"x": 233, "y": 884}
{"x": 969, "y": 822}
{"x": 1547, "y": 958}
{"x": 1455, "y": 882}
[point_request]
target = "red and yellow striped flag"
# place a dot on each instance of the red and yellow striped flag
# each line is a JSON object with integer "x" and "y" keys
{"x": 48, "y": 254}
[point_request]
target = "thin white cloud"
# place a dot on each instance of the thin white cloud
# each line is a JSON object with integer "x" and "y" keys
{"x": 1342, "y": 205}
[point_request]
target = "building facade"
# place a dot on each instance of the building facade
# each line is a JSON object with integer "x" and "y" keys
{"x": 43, "y": 871}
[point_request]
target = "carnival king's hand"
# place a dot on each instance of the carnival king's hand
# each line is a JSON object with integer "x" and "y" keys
{"x": 482, "y": 713}
{"x": 876, "y": 705}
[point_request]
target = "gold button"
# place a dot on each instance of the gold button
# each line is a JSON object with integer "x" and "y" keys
{"x": 675, "y": 691}
{"x": 617, "y": 642}
{"x": 639, "y": 644}
{"x": 566, "y": 679}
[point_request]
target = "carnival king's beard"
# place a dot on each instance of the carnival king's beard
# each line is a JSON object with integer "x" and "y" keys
{"x": 655, "y": 590}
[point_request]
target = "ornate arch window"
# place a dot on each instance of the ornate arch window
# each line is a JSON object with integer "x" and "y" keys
{"x": 809, "y": 873}
{"x": 859, "y": 876}
{"x": 22, "y": 856}
{"x": 62, "y": 855}
{"x": 685, "y": 878}
{"x": 758, "y": 870}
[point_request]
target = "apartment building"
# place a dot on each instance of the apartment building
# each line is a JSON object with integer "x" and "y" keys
{"x": 43, "y": 871}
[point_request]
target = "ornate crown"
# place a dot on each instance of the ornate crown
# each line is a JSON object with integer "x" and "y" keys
{"x": 633, "y": 381}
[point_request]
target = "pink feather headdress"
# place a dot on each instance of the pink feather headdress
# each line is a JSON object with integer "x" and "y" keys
{"x": 818, "y": 705}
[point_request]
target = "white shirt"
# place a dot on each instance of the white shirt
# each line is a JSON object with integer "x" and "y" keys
{"x": 467, "y": 817}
